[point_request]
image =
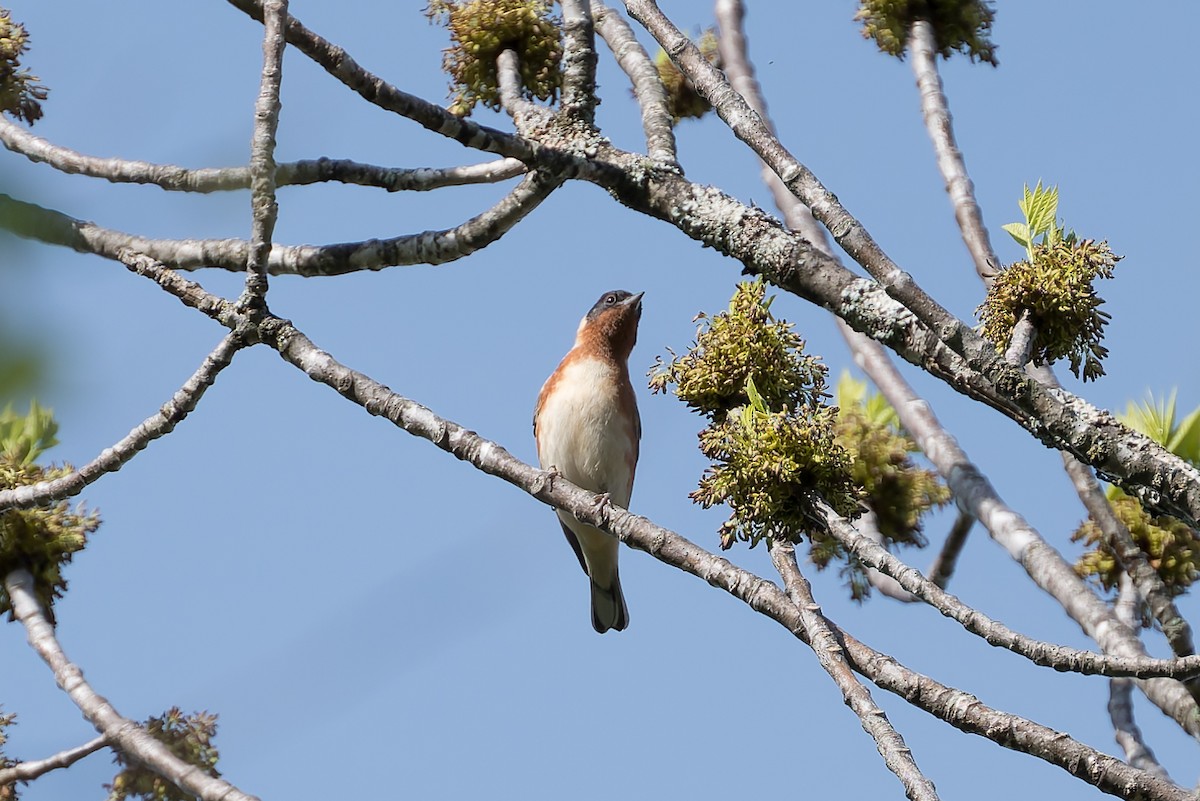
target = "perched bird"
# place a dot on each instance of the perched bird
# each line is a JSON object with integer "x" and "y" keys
{"x": 587, "y": 429}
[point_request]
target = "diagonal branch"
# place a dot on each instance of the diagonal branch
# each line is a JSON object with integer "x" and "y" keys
{"x": 163, "y": 422}
{"x": 120, "y": 732}
{"x": 338, "y": 63}
{"x": 820, "y": 636}
{"x": 633, "y": 59}
{"x": 28, "y": 771}
{"x": 938, "y": 122}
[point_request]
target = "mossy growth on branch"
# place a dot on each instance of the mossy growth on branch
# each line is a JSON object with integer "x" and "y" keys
{"x": 1054, "y": 285}
{"x": 44, "y": 539}
{"x": 958, "y": 25}
{"x": 20, "y": 92}
{"x": 896, "y": 490}
{"x": 480, "y": 30}
{"x": 771, "y": 436}
{"x": 683, "y": 101}
{"x": 189, "y": 737}
{"x": 1171, "y": 547}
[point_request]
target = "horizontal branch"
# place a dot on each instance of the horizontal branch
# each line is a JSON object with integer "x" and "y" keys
{"x": 429, "y": 247}
{"x": 223, "y": 179}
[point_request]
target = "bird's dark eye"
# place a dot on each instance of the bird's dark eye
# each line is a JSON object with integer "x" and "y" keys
{"x": 610, "y": 299}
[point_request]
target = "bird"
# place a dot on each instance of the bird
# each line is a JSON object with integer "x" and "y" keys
{"x": 588, "y": 430}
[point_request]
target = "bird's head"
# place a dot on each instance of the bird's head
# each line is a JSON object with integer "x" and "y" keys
{"x": 611, "y": 324}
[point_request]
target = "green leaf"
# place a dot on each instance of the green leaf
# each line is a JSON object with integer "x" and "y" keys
{"x": 1019, "y": 232}
{"x": 1155, "y": 419}
{"x": 1185, "y": 441}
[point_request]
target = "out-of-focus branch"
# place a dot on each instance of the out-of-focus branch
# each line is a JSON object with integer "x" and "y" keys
{"x": 1120, "y": 690}
{"x": 821, "y": 638}
{"x": 647, "y": 86}
{"x": 219, "y": 179}
{"x": 120, "y": 732}
{"x": 264, "y": 208}
{"x": 579, "y": 60}
{"x": 429, "y": 247}
{"x": 338, "y": 63}
{"x": 157, "y": 425}
{"x": 28, "y": 771}
{"x": 923, "y": 49}
{"x": 942, "y": 568}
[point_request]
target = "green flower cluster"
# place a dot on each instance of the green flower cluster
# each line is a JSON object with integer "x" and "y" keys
{"x": 44, "y": 539}
{"x": 1170, "y": 546}
{"x": 1055, "y": 287}
{"x": 188, "y": 737}
{"x": 962, "y": 25}
{"x": 20, "y": 92}
{"x": 897, "y": 492}
{"x": 771, "y": 437}
{"x": 480, "y": 30}
{"x": 683, "y": 101}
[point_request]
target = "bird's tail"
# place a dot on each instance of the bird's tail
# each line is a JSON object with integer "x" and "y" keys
{"x": 608, "y": 606}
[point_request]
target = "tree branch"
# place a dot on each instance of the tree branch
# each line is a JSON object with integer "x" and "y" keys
{"x": 264, "y": 208}
{"x": 28, "y": 771}
{"x": 943, "y": 566}
{"x": 647, "y": 86}
{"x": 161, "y": 423}
{"x": 1120, "y": 690}
{"x": 120, "y": 732}
{"x": 820, "y": 637}
{"x": 338, "y": 63}
{"x": 220, "y": 179}
{"x": 579, "y": 61}
{"x": 429, "y": 247}
{"x": 939, "y": 124}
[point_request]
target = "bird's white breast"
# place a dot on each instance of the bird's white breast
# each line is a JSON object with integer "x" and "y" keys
{"x": 581, "y": 431}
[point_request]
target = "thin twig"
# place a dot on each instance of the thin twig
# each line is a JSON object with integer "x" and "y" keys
{"x": 635, "y": 62}
{"x": 938, "y": 122}
{"x": 942, "y": 568}
{"x": 120, "y": 732}
{"x": 525, "y": 113}
{"x": 159, "y": 424}
{"x": 824, "y": 643}
{"x": 28, "y": 771}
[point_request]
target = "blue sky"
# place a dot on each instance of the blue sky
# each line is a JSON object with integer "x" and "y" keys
{"x": 372, "y": 617}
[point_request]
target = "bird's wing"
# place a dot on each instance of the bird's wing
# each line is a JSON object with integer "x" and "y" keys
{"x": 571, "y": 538}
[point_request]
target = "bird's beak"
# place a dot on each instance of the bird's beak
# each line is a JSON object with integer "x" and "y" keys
{"x": 633, "y": 300}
